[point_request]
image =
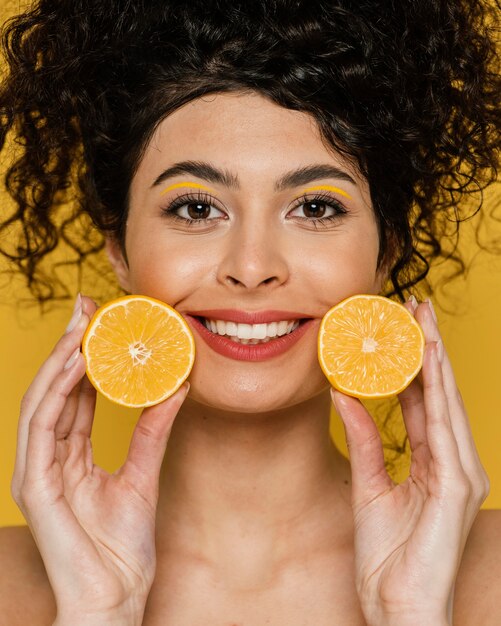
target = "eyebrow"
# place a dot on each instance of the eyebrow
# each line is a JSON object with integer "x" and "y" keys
{"x": 294, "y": 178}
{"x": 311, "y": 173}
{"x": 200, "y": 170}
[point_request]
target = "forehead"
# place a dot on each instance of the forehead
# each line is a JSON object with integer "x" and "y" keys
{"x": 242, "y": 132}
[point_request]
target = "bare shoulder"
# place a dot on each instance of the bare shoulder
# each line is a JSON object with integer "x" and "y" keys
{"x": 25, "y": 594}
{"x": 478, "y": 583}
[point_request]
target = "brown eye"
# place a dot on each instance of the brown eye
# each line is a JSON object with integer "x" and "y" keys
{"x": 314, "y": 209}
{"x": 198, "y": 210}
{"x": 317, "y": 212}
{"x": 194, "y": 210}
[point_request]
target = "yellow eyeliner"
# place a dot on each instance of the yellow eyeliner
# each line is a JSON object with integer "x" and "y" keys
{"x": 177, "y": 185}
{"x": 329, "y": 188}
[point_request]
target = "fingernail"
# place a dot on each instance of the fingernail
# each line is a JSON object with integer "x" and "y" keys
{"x": 184, "y": 389}
{"x": 335, "y": 401}
{"x": 432, "y": 309}
{"x": 338, "y": 401}
{"x": 413, "y": 302}
{"x": 72, "y": 360}
{"x": 440, "y": 351}
{"x": 333, "y": 398}
{"x": 77, "y": 314}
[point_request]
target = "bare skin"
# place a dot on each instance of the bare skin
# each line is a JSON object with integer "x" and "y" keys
{"x": 26, "y": 596}
{"x": 259, "y": 518}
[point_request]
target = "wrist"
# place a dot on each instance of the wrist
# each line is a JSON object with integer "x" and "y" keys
{"x": 119, "y": 617}
{"x": 415, "y": 620}
{"x": 104, "y": 619}
{"x": 409, "y": 616}
{"x": 126, "y": 610}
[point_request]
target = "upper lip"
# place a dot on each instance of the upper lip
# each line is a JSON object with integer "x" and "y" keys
{"x": 249, "y": 317}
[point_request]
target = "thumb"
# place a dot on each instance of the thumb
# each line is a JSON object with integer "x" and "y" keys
{"x": 149, "y": 440}
{"x": 369, "y": 475}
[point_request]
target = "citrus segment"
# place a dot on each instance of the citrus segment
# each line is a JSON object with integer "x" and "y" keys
{"x": 370, "y": 346}
{"x": 138, "y": 351}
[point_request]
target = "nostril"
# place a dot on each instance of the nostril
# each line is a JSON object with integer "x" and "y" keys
{"x": 267, "y": 281}
{"x": 249, "y": 285}
{"x": 233, "y": 281}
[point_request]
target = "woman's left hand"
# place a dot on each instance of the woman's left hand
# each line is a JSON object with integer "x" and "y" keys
{"x": 410, "y": 537}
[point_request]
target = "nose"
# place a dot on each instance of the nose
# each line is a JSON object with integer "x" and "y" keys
{"x": 254, "y": 258}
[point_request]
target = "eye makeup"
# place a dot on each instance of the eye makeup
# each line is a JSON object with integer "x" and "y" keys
{"x": 329, "y": 188}
{"x": 188, "y": 184}
{"x": 341, "y": 192}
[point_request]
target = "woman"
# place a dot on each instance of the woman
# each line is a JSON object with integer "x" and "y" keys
{"x": 249, "y": 163}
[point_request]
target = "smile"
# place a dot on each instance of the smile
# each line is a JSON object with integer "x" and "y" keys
{"x": 244, "y": 336}
{"x": 250, "y": 334}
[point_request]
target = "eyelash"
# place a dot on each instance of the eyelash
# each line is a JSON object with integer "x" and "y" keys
{"x": 202, "y": 198}
{"x": 321, "y": 198}
{"x": 177, "y": 203}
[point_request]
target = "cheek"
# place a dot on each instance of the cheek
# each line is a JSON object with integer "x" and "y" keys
{"x": 166, "y": 270}
{"x": 339, "y": 267}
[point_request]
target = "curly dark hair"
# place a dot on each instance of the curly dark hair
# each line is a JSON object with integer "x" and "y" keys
{"x": 408, "y": 90}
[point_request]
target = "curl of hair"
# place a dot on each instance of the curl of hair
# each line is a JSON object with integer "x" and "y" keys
{"x": 408, "y": 90}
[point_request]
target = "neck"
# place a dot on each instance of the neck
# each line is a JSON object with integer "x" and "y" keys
{"x": 272, "y": 481}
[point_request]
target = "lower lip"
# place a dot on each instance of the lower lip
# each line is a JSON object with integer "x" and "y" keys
{"x": 245, "y": 352}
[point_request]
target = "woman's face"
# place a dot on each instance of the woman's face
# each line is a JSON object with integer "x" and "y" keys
{"x": 244, "y": 221}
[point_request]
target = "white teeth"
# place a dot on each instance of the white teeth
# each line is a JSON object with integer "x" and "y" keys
{"x": 244, "y": 331}
{"x": 251, "y": 333}
{"x": 282, "y": 328}
{"x": 272, "y": 329}
{"x": 259, "y": 331}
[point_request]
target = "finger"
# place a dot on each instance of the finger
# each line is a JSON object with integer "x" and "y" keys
{"x": 57, "y": 358}
{"x": 86, "y": 409}
{"x": 369, "y": 475}
{"x": 75, "y": 452}
{"x": 74, "y": 449}
{"x": 149, "y": 441}
{"x": 441, "y": 441}
{"x": 456, "y": 409}
{"x": 78, "y": 415}
{"x": 67, "y": 418}
{"x": 412, "y": 305}
{"x": 446, "y": 507}
{"x": 66, "y": 347}
{"x": 41, "y": 446}
{"x": 413, "y": 412}
{"x": 64, "y": 424}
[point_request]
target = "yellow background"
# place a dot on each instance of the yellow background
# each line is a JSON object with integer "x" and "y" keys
{"x": 471, "y": 327}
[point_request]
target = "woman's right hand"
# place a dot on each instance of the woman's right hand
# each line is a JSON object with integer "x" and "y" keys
{"x": 95, "y": 531}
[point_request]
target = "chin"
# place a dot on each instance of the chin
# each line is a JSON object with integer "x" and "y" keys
{"x": 248, "y": 398}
